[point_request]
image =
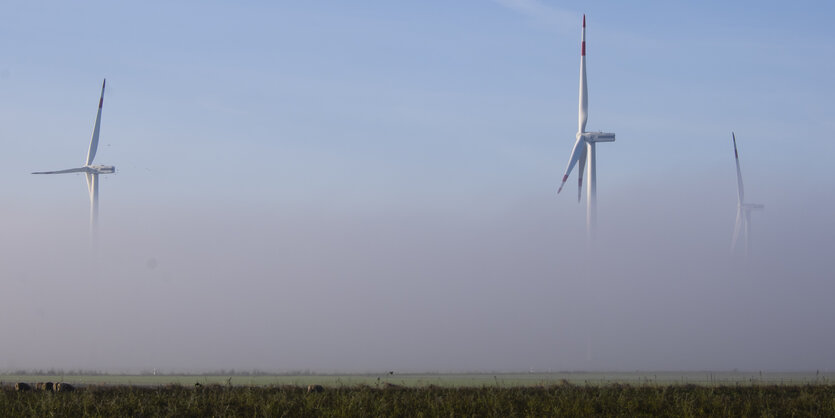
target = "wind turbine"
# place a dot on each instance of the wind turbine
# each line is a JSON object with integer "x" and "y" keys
{"x": 91, "y": 172}
{"x": 743, "y": 210}
{"x": 584, "y": 153}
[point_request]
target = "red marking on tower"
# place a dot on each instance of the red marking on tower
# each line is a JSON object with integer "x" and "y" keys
{"x": 101, "y": 100}
{"x": 583, "y": 48}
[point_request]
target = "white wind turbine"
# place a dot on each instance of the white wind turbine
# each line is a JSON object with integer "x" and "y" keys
{"x": 91, "y": 171}
{"x": 584, "y": 148}
{"x": 743, "y": 210}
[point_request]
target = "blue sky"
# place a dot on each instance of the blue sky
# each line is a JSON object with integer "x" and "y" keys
{"x": 398, "y": 146}
{"x": 378, "y": 92}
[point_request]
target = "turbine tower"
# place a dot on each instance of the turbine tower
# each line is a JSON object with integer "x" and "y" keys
{"x": 584, "y": 153}
{"x": 743, "y": 210}
{"x": 91, "y": 172}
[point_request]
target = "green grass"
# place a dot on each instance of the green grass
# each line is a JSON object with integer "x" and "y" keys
{"x": 555, "y": 400}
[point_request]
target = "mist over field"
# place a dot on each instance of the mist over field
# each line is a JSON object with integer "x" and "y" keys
{"x": 372, "y": 187}
{"x": 423, "y": 289}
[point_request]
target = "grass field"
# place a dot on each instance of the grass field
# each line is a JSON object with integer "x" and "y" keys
{"x": 490, "y": 401}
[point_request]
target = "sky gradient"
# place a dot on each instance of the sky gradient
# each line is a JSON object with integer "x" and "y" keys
{"x": 371, "y": 186}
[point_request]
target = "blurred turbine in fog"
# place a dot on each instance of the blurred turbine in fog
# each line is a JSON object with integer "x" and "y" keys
{"x": 90, "y": 171}
{"x": 743, "y": 210}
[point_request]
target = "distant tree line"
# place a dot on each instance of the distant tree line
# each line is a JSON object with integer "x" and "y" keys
{"x": 218, "y": 372}
{"x": 58, "y": 372}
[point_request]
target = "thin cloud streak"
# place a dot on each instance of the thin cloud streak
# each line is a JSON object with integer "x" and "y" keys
{"x": 542, "y": 13}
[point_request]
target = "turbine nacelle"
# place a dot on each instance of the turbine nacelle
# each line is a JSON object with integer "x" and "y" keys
{"x": 596, "y": 136}
{"x": 101, "y": 169}
{"x": 89, "y": 169}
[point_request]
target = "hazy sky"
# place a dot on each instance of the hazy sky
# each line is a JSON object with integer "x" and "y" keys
{"x": 366, "y": 186}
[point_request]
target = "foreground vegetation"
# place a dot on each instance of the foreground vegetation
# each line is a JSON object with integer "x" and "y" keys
{"x": 390, "y": 400}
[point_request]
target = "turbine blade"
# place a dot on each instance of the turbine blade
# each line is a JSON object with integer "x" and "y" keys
{"x": 93, "y": 189}
{"x": 747, "y": 231}
{"x": 737, "y": 227}
{"x": 739, "y": 189}
{"x": 89, "y": 177}
{"x": 94, "y": 141}
{"x": 584, "y": 103}
{"x": 579, "y": 147}
{"x": 70, "y": 170}
{"x": 581, "y": 165}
